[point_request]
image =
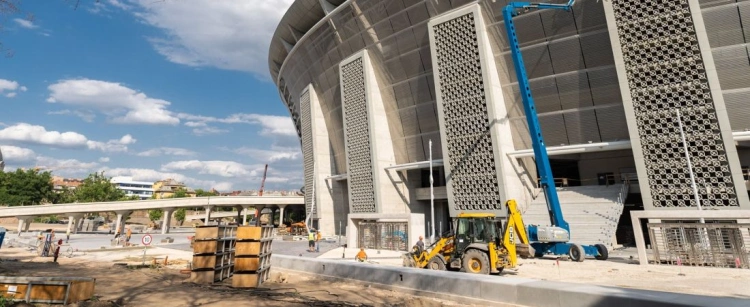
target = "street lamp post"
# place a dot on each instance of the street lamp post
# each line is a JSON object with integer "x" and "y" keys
{"x": 432, "y": 200}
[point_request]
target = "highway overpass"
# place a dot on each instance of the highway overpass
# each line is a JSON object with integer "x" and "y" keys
{"x": 76, "y": 211}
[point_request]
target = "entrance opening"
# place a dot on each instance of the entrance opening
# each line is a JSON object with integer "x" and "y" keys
{"x": 566, "y": 172}
{"x": 624, "y": 233}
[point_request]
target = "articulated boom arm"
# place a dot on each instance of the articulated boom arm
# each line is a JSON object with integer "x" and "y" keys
{"x": 540, "y": 150}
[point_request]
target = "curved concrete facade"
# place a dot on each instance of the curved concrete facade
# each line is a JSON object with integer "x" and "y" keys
{"x": 392, "y": 72}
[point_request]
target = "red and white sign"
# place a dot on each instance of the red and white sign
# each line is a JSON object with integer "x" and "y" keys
{"x": 146, "y": 240}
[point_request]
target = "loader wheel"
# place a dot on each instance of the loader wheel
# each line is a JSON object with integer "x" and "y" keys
{"x": 603, "y": 252}
{"x": 576, "y": 253}
{"x": 436, "y": 263}
{"x": 476, "y": 261}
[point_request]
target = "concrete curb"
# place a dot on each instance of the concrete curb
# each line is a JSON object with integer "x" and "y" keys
{"x": 503, "y": 290}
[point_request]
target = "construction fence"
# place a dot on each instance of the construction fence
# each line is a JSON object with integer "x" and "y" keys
{"x": 701, "y": 244}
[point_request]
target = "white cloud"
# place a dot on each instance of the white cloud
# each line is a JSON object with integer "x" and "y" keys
{"x": 166, "y": 151}
{"x": 271, "y": 125}
{"x": 219, "y": 168}
{"x": 14, "y": 154}
{"x": 104, "y": 159}
{"x": 143, "y": 174}
{"x": 232, "y": 35}
{"x": 120, "y": 145}
{"x": 86, "y": 116}
{"x": 119, "y": 4}
{"x": 273, "y": 155}
{"x": 12, "y": 88}
{"x": 32, "y": 134}
{"x": 122, "y": 104}
{"x": 26, "y": 133}
{"x": 208, "y": 130}
{"x": 25, "y": 23}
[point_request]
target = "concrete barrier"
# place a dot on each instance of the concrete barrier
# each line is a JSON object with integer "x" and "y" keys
{"x": 495, "y": 289}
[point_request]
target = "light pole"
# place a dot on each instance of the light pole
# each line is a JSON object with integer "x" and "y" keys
{"x": 690, "y": 166}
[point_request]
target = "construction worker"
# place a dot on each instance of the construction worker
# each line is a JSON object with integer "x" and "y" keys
{"x": 361, "y": 256}
{"x": 128, "y": 233}
{"x": 420, "y": 244}
{"x": 311, "y": 241}
{"x": 67, "y": 235}
{"x": 317, "y": 242}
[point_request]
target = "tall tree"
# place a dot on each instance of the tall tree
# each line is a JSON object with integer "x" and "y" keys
{"x": 97, "y": 188}
{"x": 180, "y": 215}
{"x": 204, "y": 193}
{"x": 25, "y": 187}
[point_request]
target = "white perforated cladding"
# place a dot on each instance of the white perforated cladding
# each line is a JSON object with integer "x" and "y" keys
{"x": 357, "y": 134}
{"x": 471, "y": 159}
{"x": 307, "y": 149}
{"x": 665, "y": 72}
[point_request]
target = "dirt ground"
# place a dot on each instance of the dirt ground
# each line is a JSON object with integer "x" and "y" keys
{"x": 166, "y": 287}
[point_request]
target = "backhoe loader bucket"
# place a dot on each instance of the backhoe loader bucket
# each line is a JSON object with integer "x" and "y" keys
{"x": 408, "y": 260}
{"x": 524, "y": 250}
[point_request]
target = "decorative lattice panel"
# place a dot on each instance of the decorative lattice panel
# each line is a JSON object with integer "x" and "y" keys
{"x": 666, "y": 73}
{"x": 307, "y": 150}
{"x": 357, "y": 134}
{"x": 471, "y": 159}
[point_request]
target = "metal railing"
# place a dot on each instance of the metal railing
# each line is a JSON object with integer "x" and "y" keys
{"x": 384, "y": 235}
{"x": 711, "y": 244}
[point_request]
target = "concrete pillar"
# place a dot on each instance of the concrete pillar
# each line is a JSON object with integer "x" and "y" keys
{"x": 120, "y": 223}
{"x": 244, "y": 214}
{"x": 258, "y": 212}
{"x": 20, "y": 225}
{"x": 71, "y": 222}
{"x": 167, "y": 219}
{"x": 281, "y": 214}
{"x": 28, "y": 221}
{"x": 208, "y": 214}
{"x": 79, "y": 225}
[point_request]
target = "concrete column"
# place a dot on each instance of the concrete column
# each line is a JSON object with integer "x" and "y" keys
{"x": 20, "y": 225}
{"x": 258, "y": 212}
{"x": 244, "y": 214}
{"x": 71, "y": 222}
{"x": 79, "y": 225}
{"x": 281, "y": 214}
{"x": 28, "y": 221}
{"x": 208, "y": 214}
{"x": 167, "y": 219}
{"x": 119, "y": 223}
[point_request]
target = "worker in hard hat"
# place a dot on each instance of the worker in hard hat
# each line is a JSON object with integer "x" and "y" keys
{"x": 361, "y": 256}
{"x": 420, "y": 245}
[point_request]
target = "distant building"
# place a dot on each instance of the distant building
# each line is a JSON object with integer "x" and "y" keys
{"x": 59, "y": 183}
{"x": 166, "y": 188}
{"x": 142, "y": 189}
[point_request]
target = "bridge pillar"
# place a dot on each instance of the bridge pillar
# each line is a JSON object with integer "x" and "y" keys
{"x": 119, "y": 224}
{"x": 79, "y": 225}
{"x": 208, "y": 214}
{"x": 243, "y": 212}
{"x": 281, "y": 215}
{"x": 28, "y": 221}
{"x": 21, "y": 220}
{"x": 258, "y": 211}
{"x": 167, "y": 220}
{"x": 73, "y": 222}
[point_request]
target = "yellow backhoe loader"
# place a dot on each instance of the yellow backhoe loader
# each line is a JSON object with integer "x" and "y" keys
{"x": 479, "y": 245}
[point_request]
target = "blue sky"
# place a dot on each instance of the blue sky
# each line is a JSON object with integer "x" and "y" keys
{"x": 149, "y": 89}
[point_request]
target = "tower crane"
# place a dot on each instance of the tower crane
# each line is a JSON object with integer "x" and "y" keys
{"x": 544, "y": 239}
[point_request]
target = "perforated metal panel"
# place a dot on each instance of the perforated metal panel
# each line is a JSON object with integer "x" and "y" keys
{"x": 470, "y": 154}
{"x": 357, "y": 134}
{"x": 665, "y": 72}
{"x": 307, "y": 149}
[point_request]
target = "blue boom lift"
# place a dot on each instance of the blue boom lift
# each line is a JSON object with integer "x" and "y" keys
{"x": 544, "y": 239}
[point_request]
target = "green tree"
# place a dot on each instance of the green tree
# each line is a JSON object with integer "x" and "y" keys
{"x": 155, "y": 215}
{"x": 26, "y": 187}
{"x": 65, "y": 196}
{"x": 98, "y": 188}
{"x": 131, "y": 197}
{"x": 181, "y": 193}
{"x": 180, "y": 215}
{"x": 203, "y": 193}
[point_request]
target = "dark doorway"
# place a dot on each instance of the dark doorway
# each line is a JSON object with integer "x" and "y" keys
{"x": 565, "y": 172}
{"x": 605, "y": 178}
{"x": 624, "y": 233}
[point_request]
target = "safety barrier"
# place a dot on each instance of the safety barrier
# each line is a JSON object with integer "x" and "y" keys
{"x": 493, "y": 289}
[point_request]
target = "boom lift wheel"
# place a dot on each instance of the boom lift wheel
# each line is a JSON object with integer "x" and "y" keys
{"x": 603, "y": 252}
{"x": 436, "y": 263}
{"x": 576, "y": 252}
{"x": 476, "y": 261}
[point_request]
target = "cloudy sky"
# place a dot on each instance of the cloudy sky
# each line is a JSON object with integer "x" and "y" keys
{"x": 146, "y": 88}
